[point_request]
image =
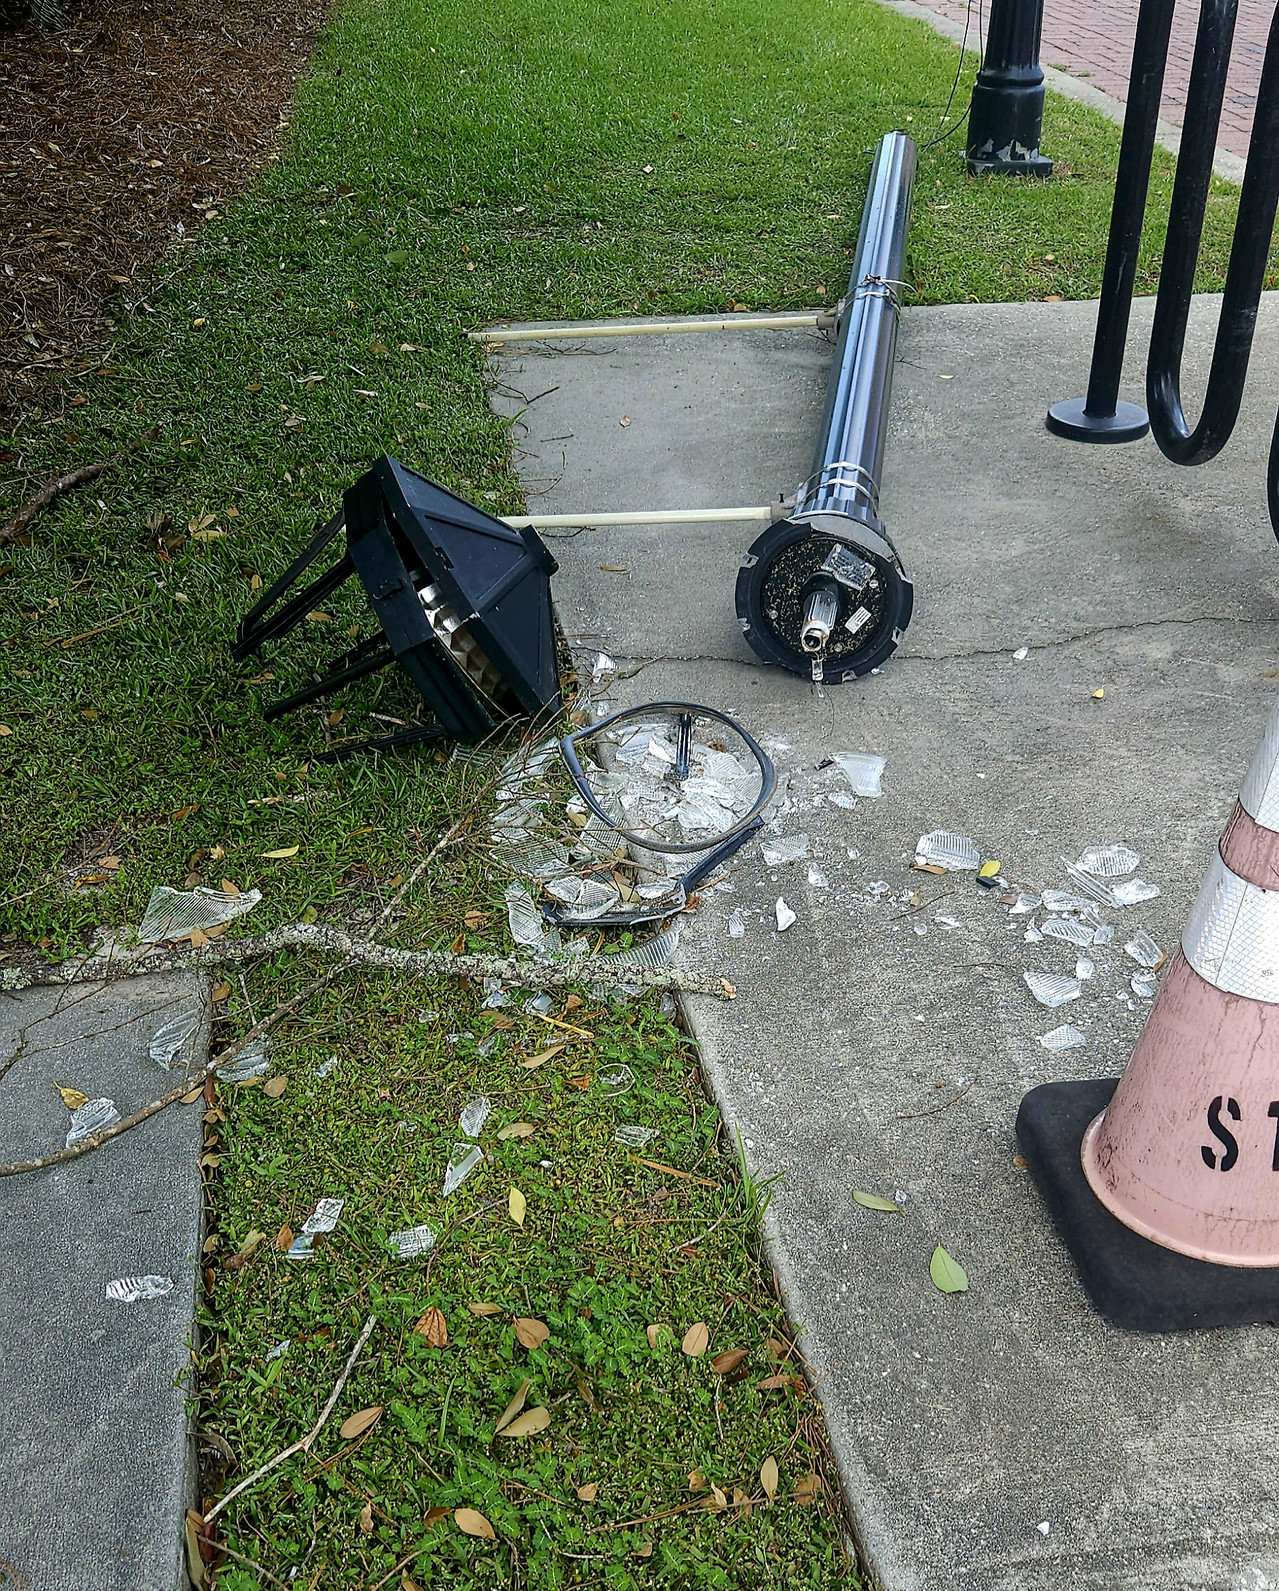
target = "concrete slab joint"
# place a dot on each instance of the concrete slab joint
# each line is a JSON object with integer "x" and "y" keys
{"x": 1005, "y": 1438}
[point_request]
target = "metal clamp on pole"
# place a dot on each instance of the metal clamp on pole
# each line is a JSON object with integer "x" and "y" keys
{"x": 823, "y": 592}
{"x": 1006, "y": 113}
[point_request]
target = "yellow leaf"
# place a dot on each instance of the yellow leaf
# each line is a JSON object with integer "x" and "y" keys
{"x": 220, "y": 991}
{"x": 5, "y": 730}
{"x": 517, "y": 1204}
{"x": 356, "y": 1424}
{"x": 274, "y": 1087}
{"x": 531, "y": 1333}
{"x": 319, "y": 618}
{"x": 485, "y": 1309}
{"x": 586, "y": 1494}
{"x": 207, "y": 535}
{"x": 872, "y": 1201}
{"x": 279, "y": 856}
{"x": 697, "y": 1339}
{"x": 768, "y": 1478}
{"x": 717, "y": 1498}
{"x": 472, "y": 1523}
{"x": 988, "y": 870}
{"x": 543, "y": 1056}
{"x": 1100, "y": 694}
{"x": 528, "y": 1424}
{"x": 512, "y": 1408}
{"x": 517, "y": 1129}
{"x": 72, "y": 1098}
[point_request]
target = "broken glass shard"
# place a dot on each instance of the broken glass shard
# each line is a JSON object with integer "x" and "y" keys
{"x": 474, "y": 1115}
{"x": 634, "y": 1137}
{"x": 1060, "y": 900}
{"x": 177, "y": 914}
{"x": 252, "y": 1061}
{"x": 1144, "y": 984}
{"x": 616, "y": 1082}
{"x": 324, "y": 1218}
{"x": 488, "y": 1045}
{"x": 1051, "y": 988}
{"x": 168, "y": 1042}
{"x": 603, "y": 669}
{"x": 587, "y": 897}
{"x": 736, "y": 924}
{"x": 1105, "y": 935}
{"x": 785, "y": 916}
{"x": 462, "y": 1161}
{"x": 1067, "y": 929}
{"x": 863, "y": 770}
{"x": 130, "y": 1289}
{"x": 955, "y": 852}
{"x": 667, "y": 1005}
{"x": 1032, "y": 936}
{"x": 280, "y": 1349}
{"x": 494, "y": 995}
{"x": 841, "y": 798}
{"x": 1066, "y": 1037}
{"x": 413, "y": 1243}
{"x": 1135, "y": 890}
{"x": 789, "y": 848}
{"x": 93, "y": 1117}
{"x": 1084, "y": 968}
{"x": 1024, "y": 904}
{"x": 656, "y": 953}
{"x": 325, "y": 1067}
{"x": 527, "y": 927}
{"x": 1143, "y": 950}
{"x": 817, "y": 879}
{"x": 541, "y": 1004}
{"x": 1108, "y": 861}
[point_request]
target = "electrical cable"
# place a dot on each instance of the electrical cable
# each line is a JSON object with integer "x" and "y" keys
{"x": 940, "y": 137}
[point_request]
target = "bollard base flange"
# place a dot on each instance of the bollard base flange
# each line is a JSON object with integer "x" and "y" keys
{"x": 1129, "y": 422}
{"x": 1133, "y": 1282}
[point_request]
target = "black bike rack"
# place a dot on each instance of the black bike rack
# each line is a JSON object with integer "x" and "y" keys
{"x": 1100, "y": 416}
{"x": 463, "y": 603}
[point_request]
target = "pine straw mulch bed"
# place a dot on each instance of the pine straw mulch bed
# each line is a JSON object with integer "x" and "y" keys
{"x": 119, "y": 133}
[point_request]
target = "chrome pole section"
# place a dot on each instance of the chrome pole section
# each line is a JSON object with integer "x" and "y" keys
{"x": 834, "y": 547}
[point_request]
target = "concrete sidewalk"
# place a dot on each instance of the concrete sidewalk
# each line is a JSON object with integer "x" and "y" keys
{"x": 95, "y": 1459}
{"x": 1005, "y": 1439}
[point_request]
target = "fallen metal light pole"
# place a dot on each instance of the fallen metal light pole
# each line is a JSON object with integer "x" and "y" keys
{"x": 823, "y": 592}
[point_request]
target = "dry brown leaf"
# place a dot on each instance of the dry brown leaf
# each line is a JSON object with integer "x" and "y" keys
{"x": 654, "y": 1335}
{"x": 336, "y": 717}
{"x": 517, "y": 1205}
{"x": 220, "y": 991}
{"x": 587, "y": 1493}
{"x": 768, "y": 1478}
{"x": 697, "y": 1482}
{"x": 473, "y": 1523}
{"x": 72, "y": 1098}
{"x": 528, "y": 1424}
{"x": 366, "y": 1518}
{"x": 741, "y": 1499}
{"x": 485, "y": 1309}
{"x": 475, "y": 919}
{"x": 644, "y": 1550}
{"x": 778, "y": 1350}
{"x": 274, "y": 1087}
{"x": 724, "y": 1363}
{"x": 531, "y": 1333}
{"x": 433, "y": 1516}
{"x": 717, "y": 1499}
{"x": 410, "y": 1585}
{"x": 433, "y": 1327}
{"x": 283, "y": 854}
{"x": 502, "y": 1023}
{"x": 517, "y": 1129}
{"x": 774, "y": 1383}
{"x": 228, "y": 888}
{"x": 807, "y": 1489}
{"x": 513, "y": 1407}
{"x": 697, "y": 1339}
{"x": 541, "y": 1058}
{"x": 284, "y": 1238}
{"x": 198, "y": 939}
{"x": 356, "y": 1424}
{"x": 573, "y": 1003}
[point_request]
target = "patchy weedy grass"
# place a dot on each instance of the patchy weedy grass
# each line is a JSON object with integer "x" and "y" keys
{"x": 450, "y": 164}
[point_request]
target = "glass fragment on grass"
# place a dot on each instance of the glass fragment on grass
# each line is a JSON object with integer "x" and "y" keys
{"x": 132, "y": 1289}
{"x": 1051, "y": 988}
{"x": 474, "y": 1114}
{"x": 280, "y": 1349}
{"x": 1143, "y": 950}
{"x": 1066, "y": 1037}
{"x": 414, "y": 1242}
{"x": 614, "y": 1083}
{"x": 324, "y": 1218}
{"x": 631, "y": 1137}
{"x": 586, "y": 897}
{"x": 955, "y": 852}
{"x": 177, "y": 914}
{"x": 494, "y": 995}
{"x": 254, "y": 1061}
{"x": 462, "y": 1161}
{"x": 654, "y": 954}
{"x": 325, "y": 1067}
{"x": 786, "y": 848}
{"x": 540, "y": 1004}
{"x": 668, "y": 1005}
{"x": 864, "y": 771}
{"x": 527, "y": 925}
{"x": 487, "y": 1046}
{"x": 425, "y": 1018}
{"x": 93, "y": 1117}
{"x": 168, "y": 1042}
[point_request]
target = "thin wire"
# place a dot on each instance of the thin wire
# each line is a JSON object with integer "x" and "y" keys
{"x": 939, "y": 136}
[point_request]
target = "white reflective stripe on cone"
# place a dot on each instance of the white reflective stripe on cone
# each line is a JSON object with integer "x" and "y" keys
{"x": 1259, "y": 793}
{"x": 1232, "y": 936}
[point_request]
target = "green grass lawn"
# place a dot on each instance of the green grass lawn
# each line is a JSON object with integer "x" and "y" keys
{"x": 450, "y": 164}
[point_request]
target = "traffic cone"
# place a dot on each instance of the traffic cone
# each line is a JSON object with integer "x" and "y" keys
{"x": 1165, "y": 1185}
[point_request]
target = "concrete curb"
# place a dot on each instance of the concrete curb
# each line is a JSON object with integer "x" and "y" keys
{"x": 1228, "y": 166}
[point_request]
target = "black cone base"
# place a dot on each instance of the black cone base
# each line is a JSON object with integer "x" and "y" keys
{"x": 1129, "y": 422}
{"x": 1134, "y": 1283}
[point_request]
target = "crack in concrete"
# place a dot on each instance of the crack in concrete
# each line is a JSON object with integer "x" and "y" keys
{"x": 1074, "y": 640}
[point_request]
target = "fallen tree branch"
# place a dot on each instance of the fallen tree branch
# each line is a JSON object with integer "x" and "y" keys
{"x": 303, "y": 1444}
{"x": 565, "y": 974}
{"x": 61, "y": 484}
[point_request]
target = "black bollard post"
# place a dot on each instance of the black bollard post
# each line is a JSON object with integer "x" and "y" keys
{"x": 1006, "y": 115}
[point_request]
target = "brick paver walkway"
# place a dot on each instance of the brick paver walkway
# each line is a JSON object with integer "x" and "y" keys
{"x": 1092, "y": 39}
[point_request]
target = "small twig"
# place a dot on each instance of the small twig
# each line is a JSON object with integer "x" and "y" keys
{"x": 61, "y": 484}
{"x": 674, "y": 1171}
{"x": 303, "y": 1444}
{"x": 250, "y": 1563}
{"x": 915, "y": 1115}
{"x": 369, "y": 953}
